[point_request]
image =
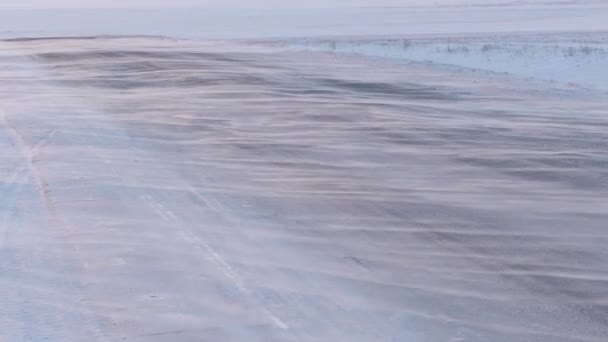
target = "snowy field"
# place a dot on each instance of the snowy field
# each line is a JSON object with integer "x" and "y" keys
{"x": 420, "y": 175}
{"x": 577, "y": 59}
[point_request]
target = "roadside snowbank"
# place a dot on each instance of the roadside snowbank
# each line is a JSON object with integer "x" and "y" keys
{"x": 578, "y": 59}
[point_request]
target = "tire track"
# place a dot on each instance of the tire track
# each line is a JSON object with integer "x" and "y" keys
{"x": 39, "y": 292}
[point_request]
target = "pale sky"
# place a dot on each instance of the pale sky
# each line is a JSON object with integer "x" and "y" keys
{"x": 4, "y": 4}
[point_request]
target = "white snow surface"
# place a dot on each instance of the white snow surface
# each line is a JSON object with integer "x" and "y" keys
{"x": 157, "y": 189}
{"x": 163, "y": 190}
{"x": 491, "y": 36}
{"x": 578, "y": 59}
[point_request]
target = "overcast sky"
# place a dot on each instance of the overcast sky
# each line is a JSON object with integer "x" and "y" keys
{"x": 221, "y": 3}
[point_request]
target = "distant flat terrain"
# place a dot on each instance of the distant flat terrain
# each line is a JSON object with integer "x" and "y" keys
{"x": 302, "y": 19}
{"x": 576, "y": 59}
{"x": 163, "y": 190}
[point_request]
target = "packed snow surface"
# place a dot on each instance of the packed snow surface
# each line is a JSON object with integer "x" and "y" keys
{"x": 163, "y": 190}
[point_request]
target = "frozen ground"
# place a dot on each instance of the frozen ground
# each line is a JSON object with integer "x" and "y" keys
{"x": 162, "y": 190}
{"x": 577, "y": 59}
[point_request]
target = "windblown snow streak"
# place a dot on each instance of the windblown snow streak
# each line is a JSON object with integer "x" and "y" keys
{"x": 158, "y": 190}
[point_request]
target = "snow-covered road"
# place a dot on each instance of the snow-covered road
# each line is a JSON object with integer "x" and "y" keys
{"x": 162, "y": 190}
